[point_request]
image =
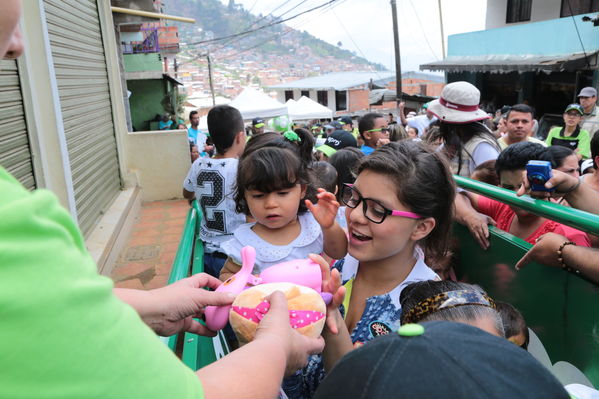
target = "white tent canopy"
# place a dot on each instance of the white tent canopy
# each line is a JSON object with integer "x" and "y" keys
{"x": 254, "y": 104}
{"x": 305, "y": 108}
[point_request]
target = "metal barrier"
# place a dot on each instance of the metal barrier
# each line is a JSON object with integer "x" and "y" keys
{"x": 197, "y": 351}
{"x": 561, "y": 308}
{"x": 578, "y": 219}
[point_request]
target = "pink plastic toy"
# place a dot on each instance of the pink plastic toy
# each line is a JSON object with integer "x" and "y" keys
{"x": 301, "y": 271}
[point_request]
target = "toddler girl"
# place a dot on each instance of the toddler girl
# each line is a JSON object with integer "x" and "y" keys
{"x": 398, "y": 208}
{"x": 272, "y": 186}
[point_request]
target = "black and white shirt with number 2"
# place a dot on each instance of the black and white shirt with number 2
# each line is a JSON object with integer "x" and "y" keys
{"x": 213, "y": 181}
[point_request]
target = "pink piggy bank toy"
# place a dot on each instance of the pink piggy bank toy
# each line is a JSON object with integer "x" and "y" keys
{"x": 302, "y": 272}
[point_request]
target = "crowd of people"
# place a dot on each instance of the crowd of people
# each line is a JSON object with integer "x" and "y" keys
{"x": 370, "y": 202}
{"x": 378, "y": 207}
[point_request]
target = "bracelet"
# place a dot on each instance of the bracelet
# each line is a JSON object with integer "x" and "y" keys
{"x": 568, "y": 191}
{"x": 560, "y": 257}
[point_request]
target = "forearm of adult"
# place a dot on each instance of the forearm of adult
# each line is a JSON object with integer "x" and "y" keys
{"x": 335, "y": 241}
{"x": 583, "y": 259}
{"x": 584, "y": 198}
{"x": 140, "y": 300}
{"x": 402, "y": 116}
{"x": 336, "y": 345}
{"x": 464, "y": 207}
{"x": 466, "y": 213}
{"x": 253, "y": 371}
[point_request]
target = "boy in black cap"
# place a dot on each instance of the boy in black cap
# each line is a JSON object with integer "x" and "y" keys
{"x": 336, "y": 141}
{"x": 257, "y": 126}
{"x": 346, "y": 123}
{"x": 440, "y": 359}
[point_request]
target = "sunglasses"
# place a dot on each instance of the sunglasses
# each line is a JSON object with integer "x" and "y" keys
{"x": 382, "y": 130}
{"x": 373, "y": 209}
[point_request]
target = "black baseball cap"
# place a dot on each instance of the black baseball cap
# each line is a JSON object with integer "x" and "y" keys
{"x": 257, "y": 122}
{"x": 346, "y": 120}
{"x": 337, "y": 140}
{"x": 439, "y": 359}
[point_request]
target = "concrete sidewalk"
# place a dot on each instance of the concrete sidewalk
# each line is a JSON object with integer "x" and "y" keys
{"x": 146, "y": 260}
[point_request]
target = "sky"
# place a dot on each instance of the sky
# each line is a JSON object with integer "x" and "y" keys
{"x": 366, "y": 26}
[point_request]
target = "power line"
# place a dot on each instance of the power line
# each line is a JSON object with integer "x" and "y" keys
{"x": 228, "y": 43}
{"x": 423, "y": 31}
{"x": 290, "y": 29}
{"x": 331, "y": 6}
{"x": 262, "y": 18}
{"x": 263, "y": 26}
{"x": 355, "y": 44}
{"x": 586, "y": 58}
{"x": 252, "y": 7}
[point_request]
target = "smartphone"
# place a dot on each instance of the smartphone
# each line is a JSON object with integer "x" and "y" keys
{"x": 538, "y": 172}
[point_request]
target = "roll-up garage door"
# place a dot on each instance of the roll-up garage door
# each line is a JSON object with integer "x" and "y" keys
{"x": 15, "y": 153}
{"x": 80, "y": 67}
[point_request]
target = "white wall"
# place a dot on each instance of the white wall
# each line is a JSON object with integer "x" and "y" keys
{"x": 161, "y": 161}
{"x": 542, "y": 10}
{"x": 313, "y": 96}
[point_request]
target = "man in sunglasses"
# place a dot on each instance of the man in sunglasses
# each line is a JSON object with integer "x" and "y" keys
{"x": 374, "y": 131}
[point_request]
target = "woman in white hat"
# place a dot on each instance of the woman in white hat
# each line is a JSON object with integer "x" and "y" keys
{"x": 468, "y": 142}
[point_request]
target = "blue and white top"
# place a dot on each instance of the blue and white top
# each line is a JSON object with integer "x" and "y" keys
{"x": 381, "y": 313}
{"x": 340, "y": 218}
{"x": 309, "y": 241}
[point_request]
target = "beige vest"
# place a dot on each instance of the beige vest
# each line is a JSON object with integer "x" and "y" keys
{"x": 467, "y": 151}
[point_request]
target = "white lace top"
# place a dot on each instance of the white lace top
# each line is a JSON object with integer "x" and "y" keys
{"x": 309, "y": 241}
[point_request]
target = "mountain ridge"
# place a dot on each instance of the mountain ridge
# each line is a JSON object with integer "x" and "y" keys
{"x": 216, "y": 20}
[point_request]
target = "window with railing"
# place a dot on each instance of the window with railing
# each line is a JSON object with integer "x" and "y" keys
{"x": 148, "y": 45}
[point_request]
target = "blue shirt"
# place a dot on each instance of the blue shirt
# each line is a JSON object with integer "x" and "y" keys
{"x": 380, "y": 317}
{"x": 165, "y": 125}
{"x": 366, "y": 149}
{"x": 192, "y": 134}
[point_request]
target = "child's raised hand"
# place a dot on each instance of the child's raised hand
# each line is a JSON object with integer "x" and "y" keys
{"x": 331, "y": 283}
{"x": 325, "y": 211}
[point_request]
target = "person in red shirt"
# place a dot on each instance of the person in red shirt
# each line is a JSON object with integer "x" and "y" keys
{"x": 510, "y": 167}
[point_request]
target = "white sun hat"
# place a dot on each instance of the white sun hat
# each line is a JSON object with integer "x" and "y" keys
{"x": 458, "y": 104}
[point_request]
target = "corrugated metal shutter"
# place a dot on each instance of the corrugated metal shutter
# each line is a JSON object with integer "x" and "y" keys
{"x": 15, "y": 153}
{"x": 80, "y": 66}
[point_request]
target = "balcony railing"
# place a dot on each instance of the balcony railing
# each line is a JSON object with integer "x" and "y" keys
{"x": 149, "y": 45}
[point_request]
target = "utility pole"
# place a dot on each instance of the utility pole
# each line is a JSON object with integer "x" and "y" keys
{"x": 442, "y": 35}
{"x": 210, "y": 77}
{"x": 398, "y": 92}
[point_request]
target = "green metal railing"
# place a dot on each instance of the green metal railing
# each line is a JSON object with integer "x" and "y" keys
{"x": 561, "y": 308}
{"x": 197, "y": 351}
{"x": 180, "y": 268}
{"x": 576, "y": 218}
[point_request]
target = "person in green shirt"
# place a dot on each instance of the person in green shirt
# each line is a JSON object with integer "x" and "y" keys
{"x": 67, "y": 333}
{"x": 571, "y": 135}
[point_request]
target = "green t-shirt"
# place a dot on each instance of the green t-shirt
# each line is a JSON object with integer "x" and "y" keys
{"x": 582, "y": 141}
{"x": 63, "y": 333}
